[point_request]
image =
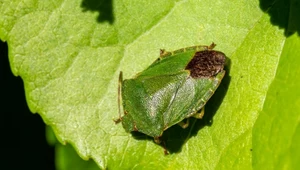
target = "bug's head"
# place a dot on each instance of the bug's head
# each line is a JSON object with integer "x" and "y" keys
{"x": 206, "y": 63}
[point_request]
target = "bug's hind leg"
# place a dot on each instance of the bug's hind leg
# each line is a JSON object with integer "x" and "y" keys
{"x": 184, "y": 123}
{"x": 200, "y": 114}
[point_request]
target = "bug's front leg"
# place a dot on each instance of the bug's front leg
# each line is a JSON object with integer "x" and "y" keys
{"x": 211, "y": 46}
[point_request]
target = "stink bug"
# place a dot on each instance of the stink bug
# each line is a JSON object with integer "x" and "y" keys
{"x": 174, "y": 87}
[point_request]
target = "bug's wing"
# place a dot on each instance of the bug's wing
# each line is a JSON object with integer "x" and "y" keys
{"x": 191, "y": 96}
{"x": 146, "y": 100}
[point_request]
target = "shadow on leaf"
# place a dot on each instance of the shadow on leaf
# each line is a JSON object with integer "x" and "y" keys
{"x": 175, "y": 137}
{"x": 284, "y": 13}
{"x": 104, "y": 7}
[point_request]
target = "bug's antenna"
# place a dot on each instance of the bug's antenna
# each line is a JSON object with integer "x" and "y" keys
{"x": 119, "y": 92}
{"x": 119, "y": 97}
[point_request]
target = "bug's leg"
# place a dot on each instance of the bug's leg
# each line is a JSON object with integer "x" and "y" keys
{"x": 157, "y": 140}
{"x": 119, "y": 97}
{"x": 165, "y": 148}
{"x": 117, "y": 120}
{"x": 184, "y": 124}
{"x": 162, "y": 143}
{"x": 162, "y": 52}
{"x": 211, "y": 46}
{"x": 199, "y": 115}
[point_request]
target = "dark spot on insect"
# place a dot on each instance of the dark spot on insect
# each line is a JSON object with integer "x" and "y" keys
{"x": 206, "y": 63}
{"x": 251, "y": 149}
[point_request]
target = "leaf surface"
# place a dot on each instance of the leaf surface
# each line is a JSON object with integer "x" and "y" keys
{"x": 69, "y": 58}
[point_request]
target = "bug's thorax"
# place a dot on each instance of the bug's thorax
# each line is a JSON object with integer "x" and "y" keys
{"x": 206, "y": 63}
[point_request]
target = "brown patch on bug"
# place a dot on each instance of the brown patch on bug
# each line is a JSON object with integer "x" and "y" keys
{"x": 206, "y": 63}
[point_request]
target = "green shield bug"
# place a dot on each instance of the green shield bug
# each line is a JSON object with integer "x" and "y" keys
{"x": 174, "y": 87}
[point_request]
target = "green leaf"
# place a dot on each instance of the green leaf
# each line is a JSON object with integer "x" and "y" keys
{"x": 276, "y": 134}
{"x": 66, "y": 157}
{"x": 69, "y": 54}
